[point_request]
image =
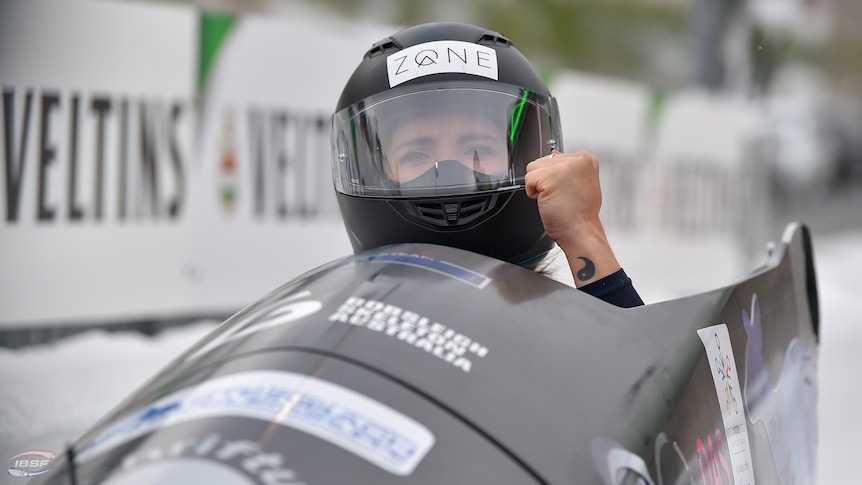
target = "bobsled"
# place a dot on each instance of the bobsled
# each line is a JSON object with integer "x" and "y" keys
{"x": 424, "y": 364}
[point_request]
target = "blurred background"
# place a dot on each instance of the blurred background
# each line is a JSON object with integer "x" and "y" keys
{"x": 166, "y": 163}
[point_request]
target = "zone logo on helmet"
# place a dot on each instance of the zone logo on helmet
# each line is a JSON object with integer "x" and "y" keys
{"x": 441, "y": 56}
{"x": 430, "y": 142}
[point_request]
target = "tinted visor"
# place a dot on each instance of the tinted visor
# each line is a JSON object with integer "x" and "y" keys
{"x": 452, "y": 139}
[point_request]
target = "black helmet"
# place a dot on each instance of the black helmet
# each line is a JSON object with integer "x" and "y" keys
{"x": 431, "y": 138}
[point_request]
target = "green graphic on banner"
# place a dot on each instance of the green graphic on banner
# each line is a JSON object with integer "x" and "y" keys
{"x": 215, "y": 28}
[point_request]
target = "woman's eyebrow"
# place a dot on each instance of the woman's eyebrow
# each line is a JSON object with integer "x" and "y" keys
{"x": 427, "y": 140}
{"x": 471, "y": 137}
{"x": 416, "y": 141}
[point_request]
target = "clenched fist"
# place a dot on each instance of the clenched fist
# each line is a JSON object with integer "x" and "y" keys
{"x": 567, "y": 189}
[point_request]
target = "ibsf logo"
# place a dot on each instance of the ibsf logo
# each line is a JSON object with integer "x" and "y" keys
{"x": 31, "y": 463}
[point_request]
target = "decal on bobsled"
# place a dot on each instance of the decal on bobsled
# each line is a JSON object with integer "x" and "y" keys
{"x": 211, "y": 458}
{"x": 411, "y": 328}
{"x": 716, "y": 341}
{"x": 271, "y": 317}
{"x": 341, "y": 416}
{"x": 618, "y": 465}
{"x": 452, "y": 270}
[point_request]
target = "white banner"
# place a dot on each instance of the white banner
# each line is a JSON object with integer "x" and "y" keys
{"x": 97, "y": 124}
{"x": 122, "y": 199}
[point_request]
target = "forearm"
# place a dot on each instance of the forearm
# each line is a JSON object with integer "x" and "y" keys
{"x": 588, "y": 253}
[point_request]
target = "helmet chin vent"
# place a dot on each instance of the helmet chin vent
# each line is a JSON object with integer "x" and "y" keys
{"x": 453, "y": 213}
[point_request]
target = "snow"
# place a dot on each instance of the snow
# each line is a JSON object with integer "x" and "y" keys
{"x": 839, "y": 264}
{"x": 50, "y": 394}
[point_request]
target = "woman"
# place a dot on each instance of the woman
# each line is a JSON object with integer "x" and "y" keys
{"x": 446, "y": 134}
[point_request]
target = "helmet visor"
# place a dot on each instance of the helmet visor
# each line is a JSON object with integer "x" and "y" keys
{"x": 452, "y": 139}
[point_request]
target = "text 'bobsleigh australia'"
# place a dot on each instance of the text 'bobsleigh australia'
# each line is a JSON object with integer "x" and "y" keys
{"x": 424, "y": 364}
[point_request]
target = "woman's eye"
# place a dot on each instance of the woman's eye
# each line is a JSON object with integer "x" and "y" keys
{"x": 413, "y": 158}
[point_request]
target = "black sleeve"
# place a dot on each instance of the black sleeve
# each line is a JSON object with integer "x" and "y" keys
{"x": 616, "y": 289}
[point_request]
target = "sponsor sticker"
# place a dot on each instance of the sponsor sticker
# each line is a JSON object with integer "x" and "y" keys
{"x": 182, "y": 471}
{"x": 617, "y": 465}
{"x": 31, "y": 463}
{"x": 722, "y": 364}
{"x": 209, "y": 458}
{"x": 439, "y": 57}
{"x": 338, "y": 415}
{"x": 451, "y": 270}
